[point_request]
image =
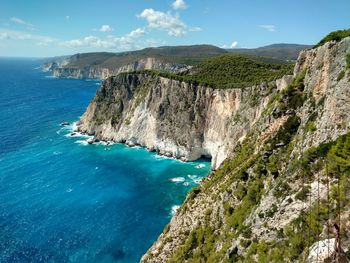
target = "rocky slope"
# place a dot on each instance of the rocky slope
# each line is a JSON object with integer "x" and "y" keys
{"x": 54, "y": 63}
{"x": 286, "y": 183}
{"x": 281, "y": 151}
{"x": 176, "y": 118}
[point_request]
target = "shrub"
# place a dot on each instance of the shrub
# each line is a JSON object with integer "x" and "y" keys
{"x": 271, "y": 211}
{"x": 341, "y": 74}
{"x": 282, "y": 188}
{"x": 228, "y": 71}
{"x": 311, "y": 126}
{"x": 334, "y": 36}
{"x": 302, "y": 194}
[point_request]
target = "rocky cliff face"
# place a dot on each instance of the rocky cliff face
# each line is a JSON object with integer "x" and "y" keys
{"x": 55, "y": 63}
{"x": 279, "y": 148}
{"x": 98, "y": 72}
{"x": 176, "y": 118}
{"x": 275, "y": 196}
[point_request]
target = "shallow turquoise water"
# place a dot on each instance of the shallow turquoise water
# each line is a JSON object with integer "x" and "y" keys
{"x": 62, "y": 201}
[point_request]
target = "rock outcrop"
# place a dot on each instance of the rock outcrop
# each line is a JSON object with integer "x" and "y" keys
{"x": 267, "y": 202}
{"x": 278, "y": 148}
{"x": 100, "y": 72}
{"x": 175, "y": 118}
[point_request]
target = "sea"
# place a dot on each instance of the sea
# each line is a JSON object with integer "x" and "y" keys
{"x": 63, "y": 200}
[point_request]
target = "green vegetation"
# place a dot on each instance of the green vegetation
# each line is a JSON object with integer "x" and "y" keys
{"x": 228, "y": 71}
{"x": 189, "y": 55}
{"x": 310, "y": 124}
{"x": 334, "y": 36}
{"x": 252, "y": 174}
{"x": 293, "y": 97}
{"x": 348, "y": 60}
{"x": 286, "y": 52}
{"x": 235, "y": 71}
{"x": 303, "y": 193}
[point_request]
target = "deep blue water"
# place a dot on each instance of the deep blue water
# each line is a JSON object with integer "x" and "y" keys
{"x": 61, "y": 201}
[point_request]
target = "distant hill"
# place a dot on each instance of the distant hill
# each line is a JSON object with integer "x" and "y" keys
{"x": 173, "y": 59}
{"x": 190, "y": 55}
{"x": 288, "y": 52}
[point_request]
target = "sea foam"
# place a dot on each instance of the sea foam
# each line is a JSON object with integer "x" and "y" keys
{"x": 178, "y": 179}
{"x": 174, "y": 208}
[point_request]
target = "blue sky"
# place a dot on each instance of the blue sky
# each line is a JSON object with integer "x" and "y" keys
{"x": 41, "y": 28}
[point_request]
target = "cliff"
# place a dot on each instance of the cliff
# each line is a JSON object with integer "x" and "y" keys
{"x": 286, "y": 180}
{"x": 101, "y": 72}
{"x": 280, "y": 149}
{"x": 175, "y": 118}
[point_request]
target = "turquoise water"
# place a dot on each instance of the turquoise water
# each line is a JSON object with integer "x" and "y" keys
{"x": 63, "y": 201}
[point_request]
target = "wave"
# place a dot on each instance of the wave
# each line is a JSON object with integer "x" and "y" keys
{"x": 195, "y": 178}
{"x": 82, "y": 142}
{"x": 78, "y": 134}
{"x": 157, "y": 156}
{"x": 178, "y": 180}
{"x": 174, "y": 208}
{"x": 200, "y": 166}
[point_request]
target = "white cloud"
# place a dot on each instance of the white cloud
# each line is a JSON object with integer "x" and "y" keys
{"x": 106, "y": 28}
{"x": 179, "y": 4}
{"x": 19, "y": 21}
{"x": 270, "y": 28}
{"x": 129, "y": 41}
{"x": 19, "y": 35}
{"x": 139, "y": 32}
{"x": 172, "y": 24}
{"x": 234, "y": 44}
{"x": 195, "y": 29}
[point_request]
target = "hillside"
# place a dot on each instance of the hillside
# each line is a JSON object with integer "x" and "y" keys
{"x": 100, "y": 65}
{"x": 288, "y": 52}
{"x": 229, "y": 71}
{"x": 178, "y": 54}
{"x": 279, "y": 149}
{"x": 282, "y": 192}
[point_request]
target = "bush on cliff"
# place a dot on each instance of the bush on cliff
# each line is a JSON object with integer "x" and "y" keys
{"x": 334, "y": 36}
{"x": 229, "y": 71}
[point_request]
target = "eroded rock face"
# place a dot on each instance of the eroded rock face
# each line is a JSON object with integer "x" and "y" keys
{"x": 188, "y": 121}
{"x": 176, "y": 118}
{"x": 97, "y": 72}
{"x": 325, "y": 108}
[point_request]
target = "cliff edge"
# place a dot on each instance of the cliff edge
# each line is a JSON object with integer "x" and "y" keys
{"x": 274, "y": 198}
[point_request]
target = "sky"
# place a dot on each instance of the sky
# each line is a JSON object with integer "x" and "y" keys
{"x": 43, "y": 28}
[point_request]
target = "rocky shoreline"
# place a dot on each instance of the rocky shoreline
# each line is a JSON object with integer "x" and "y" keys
{"x": 175, "y": 118}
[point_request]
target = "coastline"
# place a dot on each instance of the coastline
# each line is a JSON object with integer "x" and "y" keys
{"x": 90, "y": 139}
